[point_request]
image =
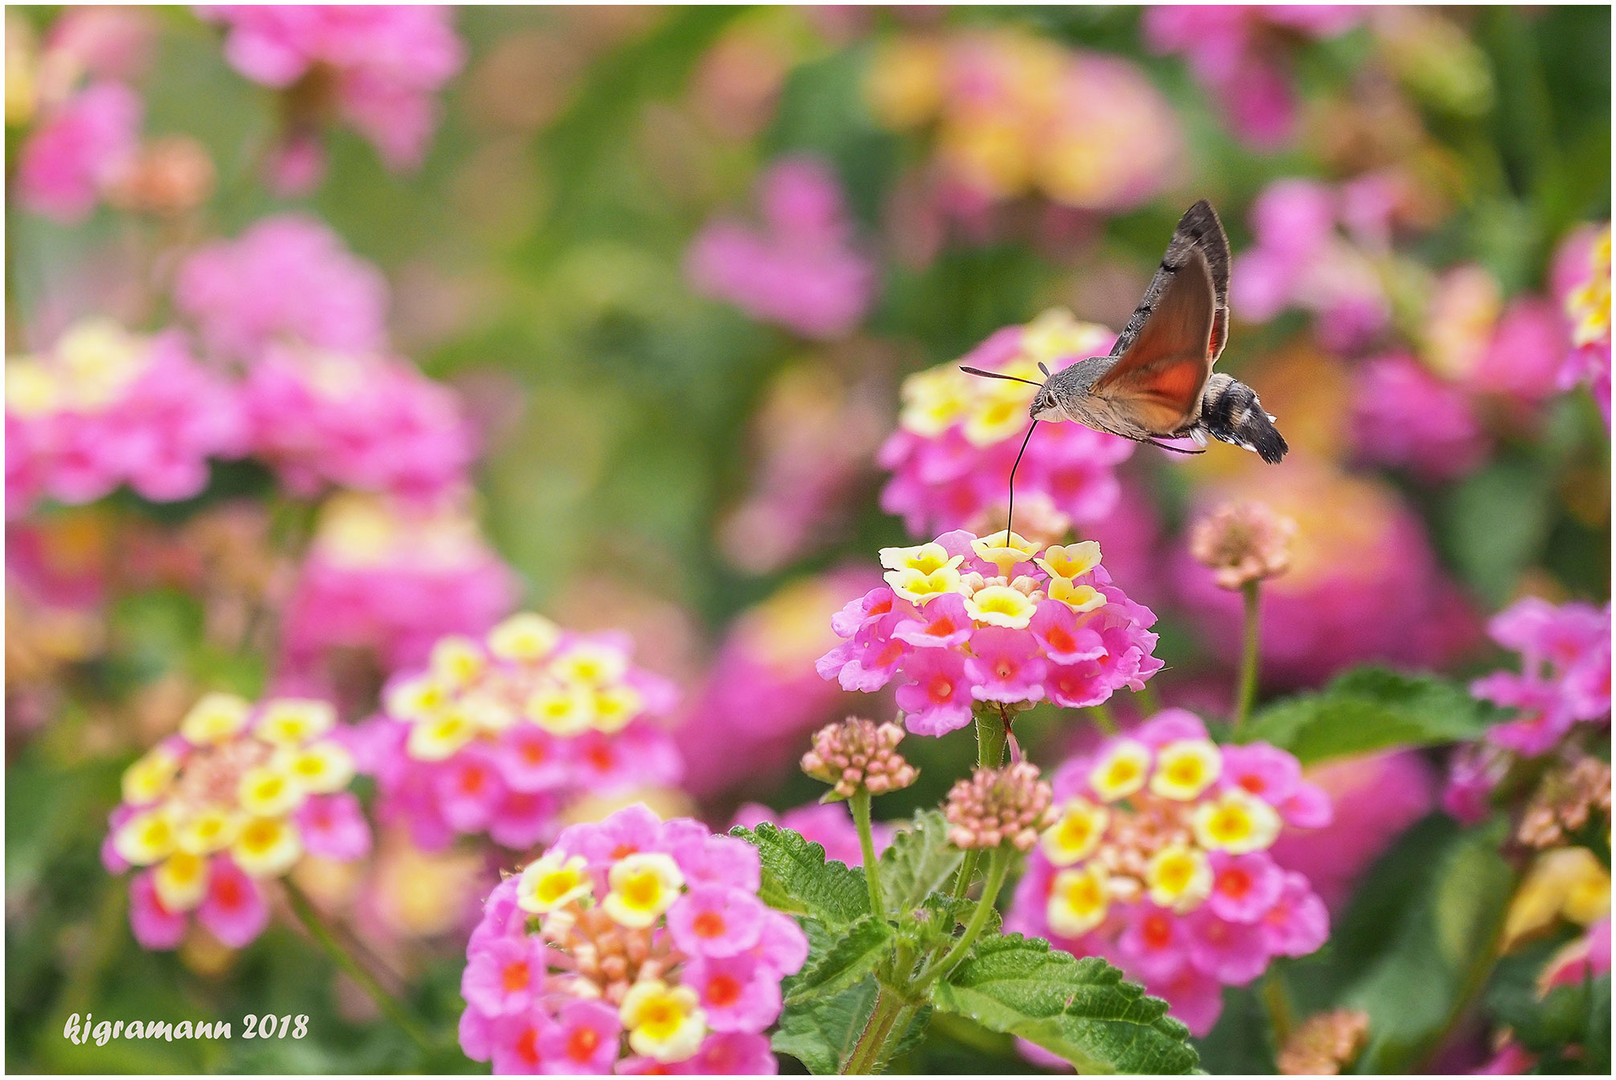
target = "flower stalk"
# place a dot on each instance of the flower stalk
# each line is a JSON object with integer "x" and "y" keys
{"x": 1246, "y": 696}
{"x": 860, "y": 803}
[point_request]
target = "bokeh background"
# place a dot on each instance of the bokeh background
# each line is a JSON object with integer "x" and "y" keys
{"x": 672, "y": 265}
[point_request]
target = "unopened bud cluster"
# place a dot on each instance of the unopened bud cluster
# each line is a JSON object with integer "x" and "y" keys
{"x": 858, "y": 754}
{"x": 1000, "y": 806}
{"x": 1325, "y": 1044}
{"x": 1243, "y": 543}
{"x": 1564, "y": 802}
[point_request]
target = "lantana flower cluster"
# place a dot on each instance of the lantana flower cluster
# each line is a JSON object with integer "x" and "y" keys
{"x": 965, "y": 619}
{"x": 633, "y": 945}
{"x": 958, "y": 436}
{"x": 802, "y": 269}
{"x": 234, "y": 800}
{"x": 1564, "y": 681}
{"x": 391, "y": 578}
{"x": 103, "y": 408}
{"x": 1158, "y": 861}
{"x": 378, "y": 67}
{"x": 1582, "y": 279}
{"x": 499, "y": 734}
{"x": 1016, "y": 114}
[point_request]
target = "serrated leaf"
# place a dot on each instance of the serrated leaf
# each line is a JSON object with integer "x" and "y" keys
{"x": 1370, "y": 709}
{"x": 798, "y": 880}
{"x": 819, "y": 1033}
{"x": 1079, "y": 1009}
{"x": 944, "y": 914}
{"x": 853, "y": 954}
{"x": 919, "y": 861}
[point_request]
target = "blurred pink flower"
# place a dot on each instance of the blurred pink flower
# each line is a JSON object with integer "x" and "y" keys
{"x": 1403, "y": 416}
{"x": 1242, "y": 54}
{"x": 1301, "y": 260}
{"x": 827, "y": 824}
{"x": 1581, "y": 284}
{"x": 78, "y": 150}
{"x": 105, "y": 408}
{"x": 1363, "y": 585}
{"x": 958, "y": 435}
{"x": 381, "y": 65}
{"x": 801, "y": 270}
{"x": 391, "y": 579}
{"x": 750, "y": 718}
{"x": 1162, "y": 861}
{"x": 1375, "y": 797}
{"x": 1564, "y": 677}
{"x": 287, "y": 279}
{"x": 365, "y": 421}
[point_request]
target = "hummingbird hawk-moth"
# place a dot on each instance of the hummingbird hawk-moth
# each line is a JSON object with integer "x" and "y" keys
{"x": 1158, "y": 381}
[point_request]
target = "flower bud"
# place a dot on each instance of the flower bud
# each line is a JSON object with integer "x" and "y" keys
{"x": 1325, "y": 1044}
{"x": 1243, "y": 543}
{"x": 859, "y": 754}
{"x": 1000, "y": 806}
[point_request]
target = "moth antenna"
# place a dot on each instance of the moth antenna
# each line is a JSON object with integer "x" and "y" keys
{"x": 1010, "y": 510}
{"x": 1044, "y": 369}
{"x": 996, "y": 375}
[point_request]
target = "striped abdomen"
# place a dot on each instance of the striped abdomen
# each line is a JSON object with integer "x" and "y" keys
{"x": 1231, "y": 412}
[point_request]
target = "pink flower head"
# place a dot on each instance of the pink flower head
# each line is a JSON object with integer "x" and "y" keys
{"x": 802, "y": 270}
{"x": 235, "y": 799}
{"x": 1581, "y": 278}
{"x": 1008, "y": 649}
{"x": 391, "y": 578}
{"x": 1565, "y": 676}
{"x": 959, "y": 434}
{"x": 1159, "y": 859}
{"x": 1405, "y": 417}
{"x": 614, "y": 935}
{"x": 761, "y": 696}
{"x": 455, "y": 733}
{"x": 78, "y": 150}
{"x": 381, "y": 67}
{"x": 404, "y": 435}
{"x": 1237, "y": 54}
{"x": 287, "y": 279}
{"x": 106, "y": 408}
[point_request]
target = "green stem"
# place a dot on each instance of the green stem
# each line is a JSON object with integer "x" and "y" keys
{"x": 865, "y": 1056}
{"x": 860, "y": 803}
{"x": 1247, "y": 695}
{"x": 1149, "y": 703}
{"x": 998, "y": 868}
{"x": 991, "y": 735}
{"x": 389, "y": 1005}
{"x": 1102, "y": 717}
{"x": 1278, "y": 1004}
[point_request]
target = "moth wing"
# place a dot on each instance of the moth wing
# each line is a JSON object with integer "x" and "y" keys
{"x": 1160, "y": 376}
{"x": 1198, "y": 230}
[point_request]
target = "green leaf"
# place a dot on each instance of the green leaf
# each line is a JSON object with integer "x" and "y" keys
{"x": 943, "y": 913}
{"x": 819, "y": 1033}
{"x": 854, "y": 953}
{"x": 919, "y": 861}
{"x": 1370, "y": 709}
{"x": 1079, "y": 1009}
{"x": 798, "y": 880}
{"x": 1438, "y": 957}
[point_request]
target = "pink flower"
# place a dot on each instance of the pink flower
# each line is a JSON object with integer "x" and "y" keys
{"x": 1581, "y": 282}
{"x": 1235, "y": 52}
{"x": 760, "y": 697}
{"x": 1565, "y": 677}
{"x": 287, "y": 279}
{"x": 802, "y": 270}
{"x": 1405, "y": 417}
{"x": 583, "y": 1040}
{"x": 828, "y": 824}
{"x": 237, "y": 798}
{"x": 1002, "y": 658}
{"x": 454, "y": 732}
{"x": 670, "y": 895}
{"x": 1160, "y": 859}
{"x": 106, "y": 408}
{"x": 1375, "y": 798}
{"x": 958, "y": 436}
{"x": 78, "y": 150}
{"x": 390, "y": 579}
{"x": 404, "y": 435}
{"x": 381, "y": 66}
